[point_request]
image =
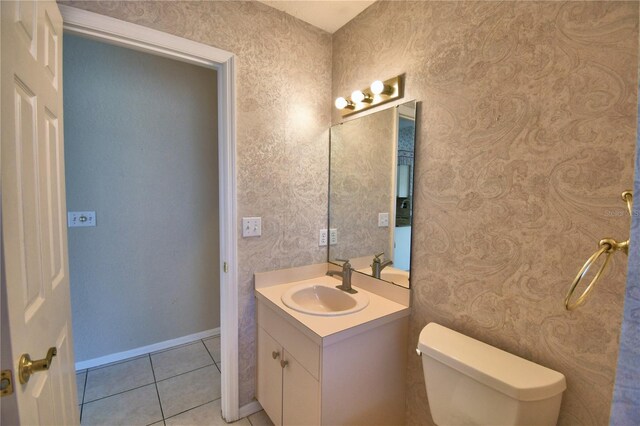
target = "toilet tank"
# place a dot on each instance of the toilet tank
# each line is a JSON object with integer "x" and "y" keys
{"x": 472, "y": 383}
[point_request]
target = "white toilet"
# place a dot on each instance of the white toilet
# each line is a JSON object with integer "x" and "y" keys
{"x": 472, "y": 383}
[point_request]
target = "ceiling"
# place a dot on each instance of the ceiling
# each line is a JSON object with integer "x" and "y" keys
{"x": 328, "y": 15}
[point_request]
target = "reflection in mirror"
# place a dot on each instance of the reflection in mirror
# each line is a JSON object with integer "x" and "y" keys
{"x": 371, "y": 192}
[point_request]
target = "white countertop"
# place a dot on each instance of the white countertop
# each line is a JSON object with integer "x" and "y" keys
{"x": 330, "y": 329}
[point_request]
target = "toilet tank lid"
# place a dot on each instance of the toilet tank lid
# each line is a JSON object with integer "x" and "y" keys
{"x": 507, "y": 373}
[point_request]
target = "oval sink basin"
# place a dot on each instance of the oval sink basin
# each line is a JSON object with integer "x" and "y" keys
{"x": 323, "y": 299}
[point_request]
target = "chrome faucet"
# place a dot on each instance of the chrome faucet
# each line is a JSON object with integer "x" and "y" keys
{"x": 377, "y": 266}
{"x": 346, "y": 277}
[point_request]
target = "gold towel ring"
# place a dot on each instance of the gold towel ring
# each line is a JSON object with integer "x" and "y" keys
{"x": 605, "y": 248}
{"x": 608, "y": 246}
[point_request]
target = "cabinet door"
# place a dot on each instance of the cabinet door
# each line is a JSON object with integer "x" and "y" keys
{"x": 300, "y": 394}
{"x": 269, "y": 392}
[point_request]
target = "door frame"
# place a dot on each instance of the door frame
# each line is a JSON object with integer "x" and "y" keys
{"x": 133, "y": 36}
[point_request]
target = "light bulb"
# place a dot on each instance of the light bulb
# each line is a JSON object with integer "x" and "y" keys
{"x": 377, "y": 87}
{"x": 341, "y": 103}
{"x": 357, "y": 96}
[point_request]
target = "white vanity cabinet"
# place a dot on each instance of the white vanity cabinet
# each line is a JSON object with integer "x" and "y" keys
{"x": 349, "y": 378}
{"x": 288, "y": 371}
{"x": 282, "y": 378}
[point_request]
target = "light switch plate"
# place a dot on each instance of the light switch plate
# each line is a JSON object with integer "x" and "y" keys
{"x": 383, "y": 220}
{"x": 251, "y": 226}
{"x": 81, "y": 219}
{"x": 322, "y": 238}
{"x": 333, "y": 236}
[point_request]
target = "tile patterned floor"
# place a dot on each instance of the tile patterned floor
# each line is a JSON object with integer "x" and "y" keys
{"x": 176, "y": 386}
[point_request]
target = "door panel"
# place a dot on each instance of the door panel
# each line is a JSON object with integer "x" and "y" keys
{"x": 269, "y": 391}
{"x": 43, "y": 395}
{"x": 34, "y": 235}
{"x": 300, "y": 395}
{"x": 52, "y": 202}
{"x": 25, "y": 149}
{"x": 26, "y": 23}
{"x": 50, "y": 49}
{"x": 65, "y": 412}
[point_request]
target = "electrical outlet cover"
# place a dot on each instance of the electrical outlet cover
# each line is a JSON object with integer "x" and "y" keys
{"x": 322, "y": 238}
{"x": 333, "y": 236}
{"x": 81, "y": 219}
{"x": 383, "y": 220}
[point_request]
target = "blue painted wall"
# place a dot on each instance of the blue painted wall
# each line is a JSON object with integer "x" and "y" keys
{"x": 625, "y": 409}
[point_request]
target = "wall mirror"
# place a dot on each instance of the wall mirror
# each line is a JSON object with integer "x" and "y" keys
{"x": 371, "y": 193}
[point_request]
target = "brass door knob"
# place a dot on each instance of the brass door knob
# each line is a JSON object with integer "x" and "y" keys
{"x": 26, "y": 367}
{"x": 275, "y": 354}
{"x": 283, "y": 363}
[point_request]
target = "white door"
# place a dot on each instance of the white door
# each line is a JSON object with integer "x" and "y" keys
{"x": 33, "y": 210}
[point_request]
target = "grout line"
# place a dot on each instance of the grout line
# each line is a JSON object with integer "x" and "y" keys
{"x": 155, "y": 383}
{"x": 193, "y": 408}
{"x": 84, "y": 387}
{"x": 147, "y": 384}
{"x": 174, "y": 347}
{"x": 84, "y": 393}
{"x": 190, "y": 371}
{"x": 111, "y": 364}
{"x": 117, "y": 393}
{"x": 214, "y": 360}
{"x": 209, "y": 352}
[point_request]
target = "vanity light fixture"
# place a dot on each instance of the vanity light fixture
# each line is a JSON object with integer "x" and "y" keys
{"x": 378, "y": 93}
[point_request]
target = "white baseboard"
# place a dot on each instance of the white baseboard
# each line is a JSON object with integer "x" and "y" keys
{"x": 107, "y": 359}
{"x": 249, "y": 409}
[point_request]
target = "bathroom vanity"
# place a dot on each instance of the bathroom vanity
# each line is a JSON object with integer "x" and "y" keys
{"x": 328, "y": 369}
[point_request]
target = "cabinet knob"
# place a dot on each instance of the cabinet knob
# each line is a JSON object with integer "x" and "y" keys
{"x": 283, "y": 363}
{"x": 275, "y": 354}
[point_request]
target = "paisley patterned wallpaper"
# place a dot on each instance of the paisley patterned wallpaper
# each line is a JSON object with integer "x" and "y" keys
{"x": 283, "y": 119}
{"x": 362, "y": 162}
{"x": 526, "y": 140}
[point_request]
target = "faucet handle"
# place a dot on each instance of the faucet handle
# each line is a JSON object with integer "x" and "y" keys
{"x": 377, "y": 256}
{"x": 346, "y": 263}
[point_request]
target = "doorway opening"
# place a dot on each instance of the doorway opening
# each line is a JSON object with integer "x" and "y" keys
{"x": 142, "y": 194}
{"x": 113, "y": 31}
